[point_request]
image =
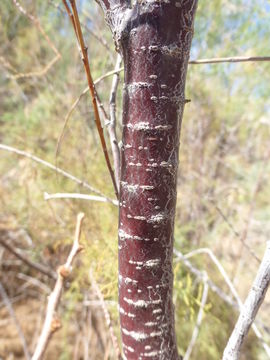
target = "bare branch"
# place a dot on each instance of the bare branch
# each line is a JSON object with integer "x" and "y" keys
{"x": 12, "y": 314}
{"x": 31, "y": 281}
{"x": 75, "y": 104}
{"x": 106, "y": 314}
{"x": 250, "y": 309}
{"x": 199, "y": 319}
{"x": 51, "y": 323}
{"x": 116, "y": 71}
{"x": 7, "y": 65}
{"x": 230, "y": 225}
{"x": 200, "y": 275}
{"x": 55, "y": 168}
{"x": 39, "y": 27}
{"x": 39, "y": 267}
{"x": 99, "y": 38}
{"x": 83, "y": 49}
{"x": 37, "y": 73}
{"x": 225, "y": 276}
{"x": 230, "y": 60}
{"x": 112, "y": 123}
{"x": 78, "y": 196}
{"x": 244, "y": 235}
{"x": 71, "y": 17}
{"x": 235, "y": 232}
{"x": 36, "y": 22}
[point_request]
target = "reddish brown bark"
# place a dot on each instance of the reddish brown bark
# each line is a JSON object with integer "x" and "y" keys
{"x": 154, "y": 38}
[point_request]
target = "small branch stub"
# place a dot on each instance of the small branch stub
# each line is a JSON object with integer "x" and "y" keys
{"x": 64, "y": 271}
{"x": 56, "y": 325}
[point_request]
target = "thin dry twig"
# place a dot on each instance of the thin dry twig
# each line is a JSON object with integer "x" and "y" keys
{"x": 78, "y": 196}
{"x": 75, "y": 104}
{"x": 106, "y": 118}
{"x": 199, "y": 319}
{"x": 83, "y": 49}
{"x": 230, "y": 60}
{"x": 111, "y": 126}
{"x": 7, "y": 65}
{"x": 225, "y": 276}
{"x": 71, "y": 17}
{"x": 244, "y": 235}
{"x": 31, "y": 281}
{"x": 12, "y": 314}
{"x": 55, "y": 168}
{"x": 116, "y": 71}
{"x": 39, "y": 27}
{"x": 249, "y": 309}
{"x": 106, "y": 315}
{"x": 99, "y": 38}
{"x": 200, "y": 275}
{"x": 37, "y": 73}
{"x": 52, "y": 323}
{"x": 235, "y": 232}
{"x": 39, "y": 267}
{"x": 192, "y": 62}
{"x": 228, "y": 222}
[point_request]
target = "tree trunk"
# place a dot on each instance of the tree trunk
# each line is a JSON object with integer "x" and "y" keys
{"x": 154, "y": 38}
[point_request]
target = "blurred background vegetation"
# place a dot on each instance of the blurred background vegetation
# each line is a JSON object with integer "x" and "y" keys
{"x": 223, "y": 192}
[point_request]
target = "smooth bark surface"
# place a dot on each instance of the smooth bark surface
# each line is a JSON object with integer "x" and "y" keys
{"x": 154, "y": 38}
